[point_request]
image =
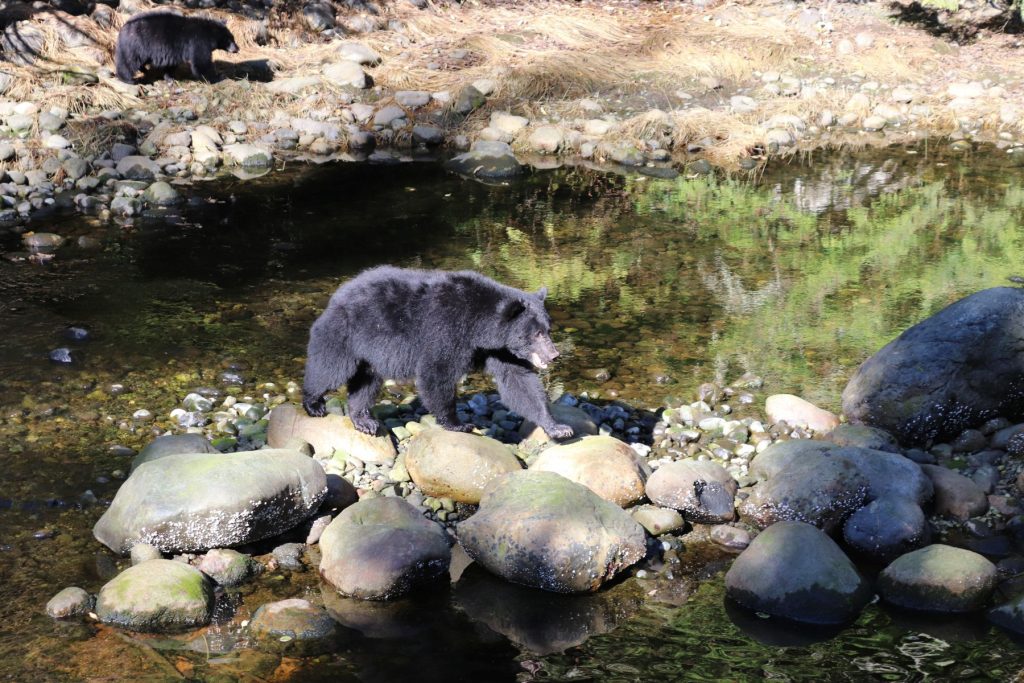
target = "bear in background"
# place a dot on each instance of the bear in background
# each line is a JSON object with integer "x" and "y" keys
{"x": 164, "y": 40}
{"x": 434, "y": 326}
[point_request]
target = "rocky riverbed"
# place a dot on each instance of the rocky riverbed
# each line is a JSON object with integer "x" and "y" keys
{"x": 661, "y": 88}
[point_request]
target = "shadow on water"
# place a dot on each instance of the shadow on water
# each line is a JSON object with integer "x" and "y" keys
{"x": 655, "y": 286}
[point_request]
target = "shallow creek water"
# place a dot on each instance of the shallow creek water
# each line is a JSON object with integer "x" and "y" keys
{"x": 796, "y": 275}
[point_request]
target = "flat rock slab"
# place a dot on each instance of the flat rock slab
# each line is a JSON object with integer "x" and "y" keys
{"x": 457, "y": 465}
{"x": 382, "y": 548}
{"x": 542, "y": 530}
{"x": 327, "y": 435}
{"x": 191, "y": 502}
{"x": 939, "y": 578}
{"x": 795, "y": 571}
{"x": 947, "y": 373}
{"x": 159, "y": 595}
{"x": 606, "y": 466}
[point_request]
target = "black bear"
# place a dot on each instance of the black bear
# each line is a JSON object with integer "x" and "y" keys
{"x": 164, "y": 40}
{"x": 434, "y": 326}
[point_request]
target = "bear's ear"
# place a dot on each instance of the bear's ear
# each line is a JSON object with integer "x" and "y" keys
{"x": 542, "y": 293}
{"x": 512, "y": 309}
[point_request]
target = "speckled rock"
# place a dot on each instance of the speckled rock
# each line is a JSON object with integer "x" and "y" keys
{"x": 702, "y": 490}
{"x": 327, "y": 435}
{"x": 456, "y": 465}
{"x": 795, "y": 571}
{"x": 382, "y": 548}
{"x": 939, "y": 578}
{"x": 159, "y": 595}
{"x": 192, "y": 502}
{"x": 607, "y": 466}
{"x": 540, "y": 529}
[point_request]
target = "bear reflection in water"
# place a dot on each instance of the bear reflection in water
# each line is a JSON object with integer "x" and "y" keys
{"x": 434, "y": 326}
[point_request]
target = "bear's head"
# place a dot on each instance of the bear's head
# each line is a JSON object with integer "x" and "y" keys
{"x": 225, "y": 40}
{"x": 527, "y": 329}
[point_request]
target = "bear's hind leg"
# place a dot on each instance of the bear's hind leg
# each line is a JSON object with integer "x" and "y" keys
{"x": 362, "y": 392}
{"x": 521, "y": 391}
{"x": 437, "y": 391}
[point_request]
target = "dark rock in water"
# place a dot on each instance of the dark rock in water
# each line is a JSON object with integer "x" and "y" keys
{"x": 467, "y": 100}
{"x": 795, "y": 571}
{"x": 289, "y": 555}
{"x": 159, "y": 595}
{"x": 540, "y": 622}
{"x": 192, "y": 502}
{"x": 486, "y": 161}
{"x": 70, "y": 602}
{"x": 702, "y": 490}
{"x": 293, "y": 627}
{"x": 1009, "y": 615}
{"x": 955, "y": 370}
{"x": 63, "y": 355}
{"x": 172, "y": 444}
{"x": 540, "y": 529}
{"x": 956, "y": 495}
{"x": 886, "y": 528}
{"x": 938, "y": 578}
{"x": 77, "y": 333}
{"x": 382, "y": 548}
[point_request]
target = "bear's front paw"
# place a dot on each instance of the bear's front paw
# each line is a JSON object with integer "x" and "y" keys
{"x": 559, "y": 431}
{"x": 455, "y": 426}
{"x": 365, "y": 424}
{"x": 315, "y": 408}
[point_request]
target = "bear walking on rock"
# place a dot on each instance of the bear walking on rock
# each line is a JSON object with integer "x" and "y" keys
{"x": 434, "y": 326}
{"x": 163, "y": 40}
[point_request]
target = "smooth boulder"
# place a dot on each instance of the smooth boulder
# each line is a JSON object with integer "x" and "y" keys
{"x": 327, "y": 435}
{"x": 159, "y": 595}
{"x": 886, "y": 528}
{"x": 456, "y": 465}
{"x": 956, "y": 496}
{"x": 606, "y": 466}
{"x": 938, "y": 578}
{"x": 947, "y": 373}
{"x": 542, "y": 530}
{"x": 576, "y": 418}
{"x": 795, "y": 571}
{"x": 172, "y": 444}
{"x": 799, "y": 412}
{"x": 192, "y": 502}
{"x": 382, "y": 548}
{"x": 701, "y": 489}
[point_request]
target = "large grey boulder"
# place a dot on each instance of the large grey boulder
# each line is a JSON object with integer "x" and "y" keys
{"x": 172, "y": 444}
{"x": 702, "y": 490}
{"x": 159, "y": 595}
{"x": 939, "y": 578}
{"x": 540, "y": 529}
{"x": 192, "y": 502}
{"x": 949, "y": 372}
{"x": 606, "y": 466}
{"x": 456, "y": 465}
{"x": 382, "y": 548}
{"x": 795, "y": 571}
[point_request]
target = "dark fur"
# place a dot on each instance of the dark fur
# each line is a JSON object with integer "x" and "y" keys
{"x": 163, "y": 40}
{"x": 434, "y": 326}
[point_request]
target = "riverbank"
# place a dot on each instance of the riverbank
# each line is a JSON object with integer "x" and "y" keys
{"x": 677, "y": 87}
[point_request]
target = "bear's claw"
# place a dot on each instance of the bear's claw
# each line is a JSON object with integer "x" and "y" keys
{"x": 367, "y": 425}
{"x": 560, "y": 431}
{"x": 317, "y": 408}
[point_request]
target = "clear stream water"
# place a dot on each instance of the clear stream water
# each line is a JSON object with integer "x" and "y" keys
{"x": 796, "y": 275}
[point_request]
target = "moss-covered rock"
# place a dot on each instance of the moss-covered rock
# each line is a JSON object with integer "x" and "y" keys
{"x": 293, "y": 627}
{"x": 159, "y": 595}
{"x": 939, "y": 578}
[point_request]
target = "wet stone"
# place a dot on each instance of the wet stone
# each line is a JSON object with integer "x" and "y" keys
{"x": 159, "y": 595}
{"x": 938, "y": 578}
{"x": 70, "y": 602}
{"x": 293, "y": 627}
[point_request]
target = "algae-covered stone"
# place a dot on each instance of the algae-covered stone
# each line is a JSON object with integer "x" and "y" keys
{"x": 70, "y": 602}
{"x": 795, "y": 571}
{"x": 173, "y": 444}
{"x": 248, "y": 156}
{"x": 382, "y": 548}
{"x": 327, "y": 435}
{"x": 293, "y": 627}
{"x": 657, "y": 520}
{"x": 939, "y": 578}
{"x": 454, "y": 465}
{"x": 540, "y": 529}
{"x": 162, "y": 193}
{"x": 606, "y": 466}
{"x": 192, "y": 502}
{"x": 159, "y": 595}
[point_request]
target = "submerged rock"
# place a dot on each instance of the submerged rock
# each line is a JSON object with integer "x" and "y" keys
{"x": 382, "y": 548}
{"x": 293, "y": 627}
{"x": 159, "y": 595}
{"x": 456, "y": 465}
{"x": 228, "y": 567}
{"x": 606, "y": 466}
{"x": 192, "y": 502}
{"x": 952, "y": 371}
{"x": 487, "y": 161}
{"x": 540, "y": 529}
{"x": 939, "y": 578}
{"x": 795, "y": 571}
